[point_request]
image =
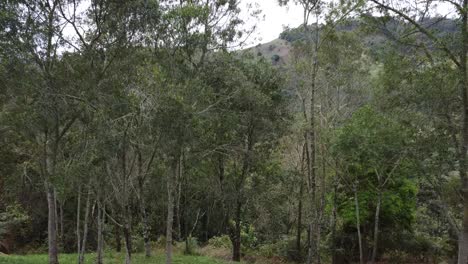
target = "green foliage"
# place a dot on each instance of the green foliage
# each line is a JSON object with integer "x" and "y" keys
{"x": 191, "y": 246}
{"x": 220, "y": 242}
{"x": 13, "y": 215}
{"x": 293, "y": 34}
{"x": 285, "y": 248}
{"x": 375, "y": 152}
{"x": 150, "y": 91}
{"x": 249, "y": 240}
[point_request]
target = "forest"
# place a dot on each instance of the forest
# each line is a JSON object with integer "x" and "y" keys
{"x": 146, "y": 131}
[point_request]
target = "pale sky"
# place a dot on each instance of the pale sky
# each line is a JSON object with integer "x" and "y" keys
{"x": 272, "y": 19}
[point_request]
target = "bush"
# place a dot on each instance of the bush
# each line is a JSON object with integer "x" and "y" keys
{"x": 248, "y": 239}
{"x": 285, "y": 248}
{"x": 161, "y": 242}
{"x": 191, "y": 246}
{"x": 220, "y": 242}
{"x": 275, "y": 58}
{"x": 138, "y": 244}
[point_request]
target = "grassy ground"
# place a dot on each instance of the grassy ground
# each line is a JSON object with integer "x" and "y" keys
{"x": 110, "y": 258}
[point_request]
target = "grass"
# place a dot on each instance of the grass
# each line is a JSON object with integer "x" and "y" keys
{"x": 110, "y": 258}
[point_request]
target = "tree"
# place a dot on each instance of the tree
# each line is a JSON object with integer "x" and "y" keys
{"x": 458, "y": 56}
{"x": 375, "y": 157}
{"x": 252, "y": 117}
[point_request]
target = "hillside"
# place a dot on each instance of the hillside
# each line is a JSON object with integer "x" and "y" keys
{"x": 375, "y": 33}
{"x": 277, "y": 50}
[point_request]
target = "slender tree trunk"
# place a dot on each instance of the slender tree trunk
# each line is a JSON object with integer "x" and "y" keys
{"x": 170, "y": 209}
{"x": 144, "y": 213}
{"x": 56, "y": 217}
{"x": 376, "y": 227}
{"x": 463, "y": 237}
{"x": 236, "y": 237}
{"x": 78, "y": 232}
{"x": 177, "y": 205}
{"x": 311, "y": 197}
{"x": 50, "y": 154}
{"x": 311, "y": 243}
{"x": 333, "y": 226}
{"x": 314, "y": 226}
{"x": 178, "y": 211}
{"x": 100, "y": 237}
{"x": 321, "y": 207}
{"x": 299, "y": 223}
{"x": 304, "y": 170}
{"x": 85, "y": 230}
{"x": 128, "y": 242}
{"x": 51, "y": 226}
{"x": 358, "y": 225}
{"x": 118, "y": 239}
{"x": 61, "y": 221}
{"x": 146, "y": 232}
{"x": 236, "y": 241}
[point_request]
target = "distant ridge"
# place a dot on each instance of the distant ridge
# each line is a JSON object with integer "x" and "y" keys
{"x": 382, "y": 31}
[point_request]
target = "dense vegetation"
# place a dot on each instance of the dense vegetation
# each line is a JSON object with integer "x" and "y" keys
{"x": 141, "y": 127}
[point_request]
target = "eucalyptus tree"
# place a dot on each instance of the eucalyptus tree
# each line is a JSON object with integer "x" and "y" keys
{"x": 308, "y": 100}
{"x": 375, "y": 153}
{"x": 191, "y": 31}
{"x": 319, "y": 20}
{"x": 54, "y": 110}
{"x": 247, "y": 125}
{"x": 345, "y": 86}
{"x": 430, "y": 104}
{"x": 414, "y": 15}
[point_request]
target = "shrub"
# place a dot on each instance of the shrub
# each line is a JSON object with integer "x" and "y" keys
{"x": 275, "y": 58}
{"x": 191, "y": 246}
{"x": 248, "y": 239}
{"x": 285, "y": 248}
{"x": 220, "y": 242}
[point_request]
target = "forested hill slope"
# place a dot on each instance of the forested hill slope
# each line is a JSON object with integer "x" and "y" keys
{"x": 375, "y": 33}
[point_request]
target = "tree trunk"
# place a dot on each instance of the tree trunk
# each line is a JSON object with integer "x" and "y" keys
{"x": 376, "y": 227}
{"x": 50, "y": 154}
{"x": 57, "y": 235}
{"x": 100, "y": 238}
{"x": 236, "y": 238}
{"x": 144, "y": 213}
{"x": 463, "y": 238}
{"x": 81, "y": 254}
{"x": 311, "y": 243}
{"x": 358, "y": 226}
{"x": 177, "y": 205}
{"x": 320, "y": 189}
{"x": 146, "y": 232}
{"x": 118, "y": 239}
{"x": 78, "y": 233}
{"x": 51, "y": 226}
{"x": 170, "y": 209}
{"x": 333, "y": 221}
{"x": 311, "y": 196}
{"x": 299, "y": 223}
{"x": 314, "y": 224}
{"x": 128, "y": 243}
{"x": 61, "y": 222}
